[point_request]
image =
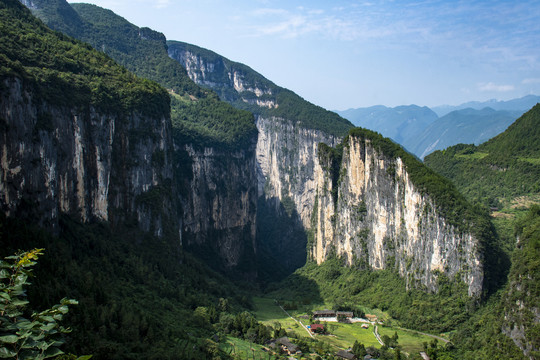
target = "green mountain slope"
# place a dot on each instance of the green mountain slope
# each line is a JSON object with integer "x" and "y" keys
{"x": 246, "y": 89}
{"x": 140, "y": 297}
{"x": 197, "y": 114}
{"x": 467, "y": 126}
{"x": 504, "y": 173}
{"x": 499, "y": 170}
{"x": 57, "y": 65}
{"x": 508, "y": 326}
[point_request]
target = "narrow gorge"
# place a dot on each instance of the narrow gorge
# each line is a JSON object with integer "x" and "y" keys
{"x": 365, "y": 209}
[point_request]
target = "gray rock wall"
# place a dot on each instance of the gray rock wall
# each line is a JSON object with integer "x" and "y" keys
{"x": 380, "y": 220}
{"x": 79, "y": 161}
{"x": 219, "y": 204}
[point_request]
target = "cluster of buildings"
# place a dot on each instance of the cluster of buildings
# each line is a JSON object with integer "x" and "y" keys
{"x": 347, "y": 316}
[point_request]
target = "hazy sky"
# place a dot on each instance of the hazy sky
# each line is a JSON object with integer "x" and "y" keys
{"x": 342, "y": 54}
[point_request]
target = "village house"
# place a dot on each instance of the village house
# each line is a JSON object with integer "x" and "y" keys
{"x": 345, "y": 314}
{"x": 344, "y": 354}
{"x": 372, "y": 318}
{"x": 324, "y": 313}
{"x": 317, "y": 328}
{"x": 288, "y": 346}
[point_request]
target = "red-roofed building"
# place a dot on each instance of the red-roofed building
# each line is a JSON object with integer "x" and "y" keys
{"x": 317, "y": 328}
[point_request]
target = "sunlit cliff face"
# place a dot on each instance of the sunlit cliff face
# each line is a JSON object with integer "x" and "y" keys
{"x": 382, "y": 220}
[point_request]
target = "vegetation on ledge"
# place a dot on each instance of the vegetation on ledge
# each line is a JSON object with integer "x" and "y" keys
{"x": 197, "y": 114}
{"x": 55, "y": 65}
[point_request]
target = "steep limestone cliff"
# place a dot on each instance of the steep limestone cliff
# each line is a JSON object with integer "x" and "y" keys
{"x": 234, "y": 82}
{"x": 214, "y": 144}
{"x": 521, "y": 302}
{"x": 286, "y": 161}
{"x": 289, "y": 129}
{"x": 81, "y": 161}
{"x": 219, "y": 205}
{"x": 370, "y": 212}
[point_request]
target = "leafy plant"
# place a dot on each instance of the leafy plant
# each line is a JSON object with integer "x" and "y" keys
{"x": 37, "y": 337}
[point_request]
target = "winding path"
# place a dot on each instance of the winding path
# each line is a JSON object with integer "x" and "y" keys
{"x": 289, "y": 315}
{"x": 446, "y": 341}
{"x": 377, "y": 336}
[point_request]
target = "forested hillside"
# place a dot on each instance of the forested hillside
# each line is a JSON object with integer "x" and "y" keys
{"x": 197, "y": 114}
{"x": 503, "y": 174}
{"x": 140, "y": 295}
{"x": 499, "y": 170}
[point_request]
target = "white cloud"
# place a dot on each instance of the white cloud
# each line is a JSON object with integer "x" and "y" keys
{"x": 162, "y": 4}
{"x": 269, "y": 12}
{"x": 531, "y": 81}
{"x": 495, "y": 87}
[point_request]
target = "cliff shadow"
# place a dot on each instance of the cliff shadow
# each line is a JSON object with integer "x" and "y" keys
{"x": 295, "y": 290}
{"x": 281, "y": 239}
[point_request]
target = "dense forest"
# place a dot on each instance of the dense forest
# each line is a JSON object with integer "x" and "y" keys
{"x": 499, "y": 170}
{"x": 55, "y": 65}
{"x": 198, "y": 115}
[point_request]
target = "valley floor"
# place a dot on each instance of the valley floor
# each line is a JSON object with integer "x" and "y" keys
{"x": 340, "y": 336}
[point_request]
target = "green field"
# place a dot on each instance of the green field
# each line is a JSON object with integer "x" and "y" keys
{"x": 269, "y": 313}
{"x": 534, "y": 161}
{"x": 410, "y": 342}
{"x": 341, "y": 336}
{"x": 477, "y": 155}
{"x": 241, "y": 349}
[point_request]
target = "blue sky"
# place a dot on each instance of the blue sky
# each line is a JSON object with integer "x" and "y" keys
{"x": 346, "y": 54}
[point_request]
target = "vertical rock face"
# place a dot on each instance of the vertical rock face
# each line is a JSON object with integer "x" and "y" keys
{"x": 286, "y": 150}
{"x": 78, "y": 161}
{"x": 286, "y": 162}
{"x": 233, "y": 82}
{"x": 219, "y": 205}
{"x": 370, "y": 213}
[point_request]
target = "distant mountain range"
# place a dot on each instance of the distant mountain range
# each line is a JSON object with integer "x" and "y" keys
{"x": 422, "y": 130}
{"x": 400, "y": 123}
{"x": 522, "y": 104}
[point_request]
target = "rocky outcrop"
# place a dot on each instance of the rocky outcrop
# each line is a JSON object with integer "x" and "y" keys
{"x": 92, "y": 165}
{"x": 520, "y": 320}
{"x": 521, "y": 301}
{"x": 219, "y": 205}
{"x": 286, "y": 162}
{"x": 232, "y": 81}
{"x": 369, "y": 212}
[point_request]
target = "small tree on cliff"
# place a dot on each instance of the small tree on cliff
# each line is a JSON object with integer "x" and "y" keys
{"x": 20, "y": 337}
